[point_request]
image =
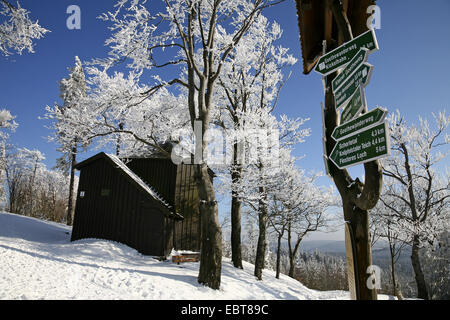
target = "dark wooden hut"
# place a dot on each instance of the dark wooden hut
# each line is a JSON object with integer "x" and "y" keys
{"x": 148, "y": 204}
{"x": 176, "y": 185}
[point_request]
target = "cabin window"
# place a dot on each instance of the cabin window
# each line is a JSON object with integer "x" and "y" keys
{"x": 105, "y": 192}
{"x": 82, "y": 194}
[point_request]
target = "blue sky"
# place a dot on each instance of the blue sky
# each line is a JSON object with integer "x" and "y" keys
{"x": 411, "y": 70}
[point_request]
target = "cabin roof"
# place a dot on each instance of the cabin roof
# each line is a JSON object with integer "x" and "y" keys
{"x": 116, "y": 162}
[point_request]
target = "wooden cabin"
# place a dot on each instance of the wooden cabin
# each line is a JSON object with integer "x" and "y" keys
{"x": 149, "y": 204}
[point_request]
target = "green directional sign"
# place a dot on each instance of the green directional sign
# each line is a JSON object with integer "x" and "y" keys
{"x": 362, "y": 123}
{"x": 368, "y": 145}
{"x": 342, "y": 55}
{"x": 354, "y": 64}
{"x": 355, "y": 106}
{"x": 360, "y": 76}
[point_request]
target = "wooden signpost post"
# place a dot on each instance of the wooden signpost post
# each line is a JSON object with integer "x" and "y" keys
{"x": 351, "y": 262}
{"x": 359, "y": 140}
{"x": 361, "y": 136}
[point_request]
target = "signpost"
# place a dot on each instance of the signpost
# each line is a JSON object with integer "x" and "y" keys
{"x": 368, "y": 145}
{"x": 364, "y": 122}
{"x": 355, "y": 63}
{"x": 342, "y": 55}
{"x": 359, "y": 138}
{"x": 361, "y": 76}
{"x": 355, "y": 106}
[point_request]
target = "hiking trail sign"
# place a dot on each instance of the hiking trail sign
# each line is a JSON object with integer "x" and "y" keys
{"x": 361, "y": 76}
{"x": 355, "y": 106}
{"x": 364, "y": 122}
{"x": 342, "y": 55}
{"x": 355, "y": 63}
{"x": 368, "y": 145}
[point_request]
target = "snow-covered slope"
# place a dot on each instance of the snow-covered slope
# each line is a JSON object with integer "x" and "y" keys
{"x": 38, "y": 261}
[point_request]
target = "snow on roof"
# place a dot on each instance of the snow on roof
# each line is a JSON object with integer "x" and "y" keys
{"x": 139, "y": 181}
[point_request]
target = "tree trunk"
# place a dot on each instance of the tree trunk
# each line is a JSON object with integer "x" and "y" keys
{"x": 280, "y": 236}
{"x": 119, "y": 140}
{"x": 360, "y": 225}
{"x": 236, "y": 245}
{"x": 211, "y": 234}
{"x": 291, "y": 253}
{"x": 71, "y": 185}
{"x": 396, "y": 288}
{"x": 291, "y": 266}
{"x": 262, "y": 242}
{"x": 394, "y": 281}
{"x": 422, "y": 291}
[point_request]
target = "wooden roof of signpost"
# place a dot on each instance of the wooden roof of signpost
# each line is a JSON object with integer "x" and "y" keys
{"x": 316, "y": 24}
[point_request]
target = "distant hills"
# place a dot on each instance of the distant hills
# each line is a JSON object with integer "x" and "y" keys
{"x": 333, "y": 246}
{"x": 380, "y": 253}
{"x": 329, "y": 246}
{"x": 326, "y": 246}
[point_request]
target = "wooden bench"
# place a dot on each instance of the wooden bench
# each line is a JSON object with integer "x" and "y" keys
{"x": 191, "y": 257}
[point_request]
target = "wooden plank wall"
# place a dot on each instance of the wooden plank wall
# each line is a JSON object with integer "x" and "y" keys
{"x": 186, "y": 201}
{"x": 177, "y": 186}
{"x": 125, "y": 215}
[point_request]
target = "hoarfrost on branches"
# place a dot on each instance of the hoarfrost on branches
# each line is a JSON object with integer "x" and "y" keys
{"x": 17, "y": 30}
{"x": 415, "y": 186}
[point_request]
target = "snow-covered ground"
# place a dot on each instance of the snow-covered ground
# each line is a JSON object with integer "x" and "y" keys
{"x": 38, "y": 261}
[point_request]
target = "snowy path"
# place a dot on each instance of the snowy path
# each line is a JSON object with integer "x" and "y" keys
{"x": 37, "y": 261}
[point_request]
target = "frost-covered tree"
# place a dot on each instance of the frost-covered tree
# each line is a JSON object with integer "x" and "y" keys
{"x": 70, "y": 138}
{"x": 21, "y": 168}
{"x": 383, "y": 225}
{"x": 34, "y": 158}
{"x": 115, "y": 114}
{"x": 414, "y": 180}
{"x": 175, "y": 37}
{"x": 320, "y": 271}
{"x": 299, "y": 207}
{"x": 252, "y": 78}
{"x": 33, "y": 190}
{"x": 132, "y": 122}
{"x": 436, "y": 265}
{"x": 264, "y": 141}
{"x": 7, "y": 124}
{"x": 17, "y": 30}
